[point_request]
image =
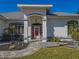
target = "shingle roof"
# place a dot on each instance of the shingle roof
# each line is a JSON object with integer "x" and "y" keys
{"x": 20, "y": 15}
{"x": 65, "y": 14}
{"x": 13, "y": 15}
{"x": 2, "y": 17}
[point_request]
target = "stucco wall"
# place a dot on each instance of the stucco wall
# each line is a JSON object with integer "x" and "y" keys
{"x": 2, "y": 26}
{"x": 57, "y": 28}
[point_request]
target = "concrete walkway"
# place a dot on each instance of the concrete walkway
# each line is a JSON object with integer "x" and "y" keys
{"x": 32, "y": 48}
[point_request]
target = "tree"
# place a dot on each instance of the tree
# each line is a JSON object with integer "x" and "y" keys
{"x": 77, "y": 12}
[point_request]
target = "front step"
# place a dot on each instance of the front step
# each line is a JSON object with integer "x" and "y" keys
{"x": 66, "y": 39}
{"x": 35, "y": 40}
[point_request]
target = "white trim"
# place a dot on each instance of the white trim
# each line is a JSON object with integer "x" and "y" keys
{"x": 33, "y": 5}
{"x": 35, "y": 15}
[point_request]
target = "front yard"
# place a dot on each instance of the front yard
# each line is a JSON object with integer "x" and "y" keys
{"x": 54, "y": 53}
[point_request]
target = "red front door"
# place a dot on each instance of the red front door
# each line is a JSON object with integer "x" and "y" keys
{"x": 36, "y": 32}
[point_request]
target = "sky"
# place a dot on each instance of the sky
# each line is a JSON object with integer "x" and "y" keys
{"x": 68, "y": 6}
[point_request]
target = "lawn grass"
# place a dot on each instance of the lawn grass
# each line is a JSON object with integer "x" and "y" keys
{"x": 54, "y": 53}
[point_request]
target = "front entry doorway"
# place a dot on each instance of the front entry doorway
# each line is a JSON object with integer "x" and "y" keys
{"x": 36, "y": 31}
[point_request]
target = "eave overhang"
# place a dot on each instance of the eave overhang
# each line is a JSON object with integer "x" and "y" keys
{"x": 35, "y": 5}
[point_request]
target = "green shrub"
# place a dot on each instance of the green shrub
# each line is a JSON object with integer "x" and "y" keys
{"x": 6, "y": 37}
{"x": 12, "y": 46}
{"x": 75, "y": 35}
{"x": 55, "y": 39}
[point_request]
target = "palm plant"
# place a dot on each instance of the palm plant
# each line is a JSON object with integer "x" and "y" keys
{"x": 75, "y": 34}
{"x": 73, "y": 30}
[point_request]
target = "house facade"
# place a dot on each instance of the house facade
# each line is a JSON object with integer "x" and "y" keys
{"x": 35, "y": 22}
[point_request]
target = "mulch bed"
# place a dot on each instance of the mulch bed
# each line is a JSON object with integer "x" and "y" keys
{"x": 16, "y": 45}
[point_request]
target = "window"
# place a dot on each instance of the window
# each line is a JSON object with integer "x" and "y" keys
{"x": 18, "y": 27}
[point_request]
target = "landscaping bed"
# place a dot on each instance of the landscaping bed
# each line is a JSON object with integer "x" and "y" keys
{"x": 16, "y": 45}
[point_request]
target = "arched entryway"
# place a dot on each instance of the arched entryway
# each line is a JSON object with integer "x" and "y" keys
{"x": 35, "y": 25}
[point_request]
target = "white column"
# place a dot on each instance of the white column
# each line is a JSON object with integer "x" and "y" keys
{"x": 44, "y": 29}
{"x": 66, "y": 29}
{"x": 25, "y": 29}
{"x": 29, "y": 32}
